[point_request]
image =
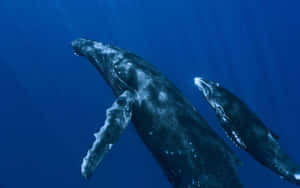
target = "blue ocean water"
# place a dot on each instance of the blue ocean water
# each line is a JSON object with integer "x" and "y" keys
{"x": 51, "y": 102}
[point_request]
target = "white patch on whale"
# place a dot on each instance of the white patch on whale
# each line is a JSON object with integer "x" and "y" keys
{"x": 104, "y": 49}
{"x": 220, "y": 112}
{"x": 107, "y": 50}
{"x": 200, "y": 83}
{"x": 144, "y": 82}
{"x": 197, "y": 81}
{"x": 127, "y": 66}
{"x": 297, "y": 176}
{"x": 238, "y": 140}
{"x": 272, "y": 137}
{"x": 162, "y": 96}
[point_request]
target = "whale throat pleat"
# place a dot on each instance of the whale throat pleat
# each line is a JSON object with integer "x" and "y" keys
{"x": 118, "y": 117}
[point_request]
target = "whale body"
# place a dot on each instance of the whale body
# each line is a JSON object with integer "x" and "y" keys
{"x": 189, "y": 152}
{"x": 247, "y": 131}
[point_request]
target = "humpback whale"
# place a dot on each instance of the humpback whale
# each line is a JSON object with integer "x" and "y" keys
{"x": 189, "y": 152}
{"x": 247, "y": 131}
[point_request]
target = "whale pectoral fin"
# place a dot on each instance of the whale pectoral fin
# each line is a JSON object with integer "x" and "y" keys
{"x": 118, "y": 117}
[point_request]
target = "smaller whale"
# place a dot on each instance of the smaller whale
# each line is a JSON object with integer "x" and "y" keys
{"x": 247, "y": 131}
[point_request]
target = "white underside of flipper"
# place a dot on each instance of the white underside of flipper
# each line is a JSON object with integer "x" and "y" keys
{"x": 117, "y": 119}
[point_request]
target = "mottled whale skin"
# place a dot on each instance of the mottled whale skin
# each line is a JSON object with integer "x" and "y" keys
{"x": 189, "y": 152}
{"x": 247, "y": 131}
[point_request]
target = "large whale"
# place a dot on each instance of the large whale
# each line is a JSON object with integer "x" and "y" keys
{"x": 247, "y": 131}
{"x": 189, "y": 152}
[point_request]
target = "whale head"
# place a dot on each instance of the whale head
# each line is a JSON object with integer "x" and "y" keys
{"x": 214, "y": 93}
{"x": 118, "y": 67}
{"x": 211, "y": 90}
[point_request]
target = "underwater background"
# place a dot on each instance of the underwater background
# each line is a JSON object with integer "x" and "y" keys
{"x": 51, "y": 102}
